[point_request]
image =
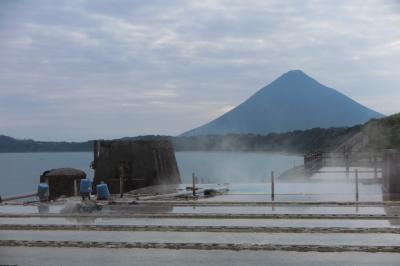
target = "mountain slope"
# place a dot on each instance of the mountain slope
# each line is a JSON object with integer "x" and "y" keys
{"x": 376, "y": 135}
{"x": 294, "y": 101}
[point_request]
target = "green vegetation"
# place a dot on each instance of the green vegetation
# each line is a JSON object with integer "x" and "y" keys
{"x": 375, "y": 135}
{"x": 294, "y": 142}
{"x": 382, "y": 133}
{"x": 8, "y": 144}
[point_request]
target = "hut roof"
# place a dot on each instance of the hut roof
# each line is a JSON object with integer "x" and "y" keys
{"x": 65, "y": 172}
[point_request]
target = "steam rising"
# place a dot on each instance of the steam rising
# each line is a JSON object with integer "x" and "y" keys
{"x": 219, "y": 167}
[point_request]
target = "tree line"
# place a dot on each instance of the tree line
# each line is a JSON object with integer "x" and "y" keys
{"x": 299, "y": 141}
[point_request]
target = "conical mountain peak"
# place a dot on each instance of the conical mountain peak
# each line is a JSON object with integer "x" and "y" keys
{"x": 294, "y": 101}
{"x": 295, "y": 72}
{"x": 295, "y": 76}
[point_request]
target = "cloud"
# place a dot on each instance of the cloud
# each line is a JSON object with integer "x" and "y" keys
{"x": 101, "y": 69}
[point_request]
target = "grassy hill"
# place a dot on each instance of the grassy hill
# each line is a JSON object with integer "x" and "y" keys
{"x": 377, "y": 134}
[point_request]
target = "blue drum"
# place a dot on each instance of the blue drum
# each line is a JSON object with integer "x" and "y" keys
{"x": 102, "y": 192}
{"x": 43, "y": 191}
{"x": 85, "y": 188}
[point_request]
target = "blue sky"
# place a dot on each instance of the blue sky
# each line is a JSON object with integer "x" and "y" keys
{"x": 78, "y": 70}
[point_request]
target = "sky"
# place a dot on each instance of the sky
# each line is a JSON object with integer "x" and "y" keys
{"x": 76, "y": 70}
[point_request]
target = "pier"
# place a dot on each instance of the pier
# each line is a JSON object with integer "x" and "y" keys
{"x": 384, "y": 165}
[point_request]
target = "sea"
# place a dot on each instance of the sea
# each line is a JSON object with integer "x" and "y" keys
{"x": 20, "y": 172}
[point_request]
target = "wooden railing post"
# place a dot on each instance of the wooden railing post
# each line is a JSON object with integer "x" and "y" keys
{"x": 272, "y": 186}
{"x": 75, "y": 187}
{"x": 121, "y": 186}
{"x": 356, "y": 180}
{"x": 375, "y": 167}
{"x": 194, "y": 184}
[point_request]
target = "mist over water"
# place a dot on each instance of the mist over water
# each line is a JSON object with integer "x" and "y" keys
{"x": 233, "y": 167}
{"x": 20, "y": 172}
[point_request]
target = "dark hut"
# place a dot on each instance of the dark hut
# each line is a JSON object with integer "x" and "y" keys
{"x": 130, "y": 165}
{"x": 62, "y": 181}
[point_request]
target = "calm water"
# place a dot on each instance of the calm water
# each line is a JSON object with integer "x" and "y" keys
{"x": 20, "y": 172}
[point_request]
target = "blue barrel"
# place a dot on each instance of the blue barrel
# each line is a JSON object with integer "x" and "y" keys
{"x": 85, "y": 187}
{"x": 43, "y": 191}
{"x": 102, "y": 192}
